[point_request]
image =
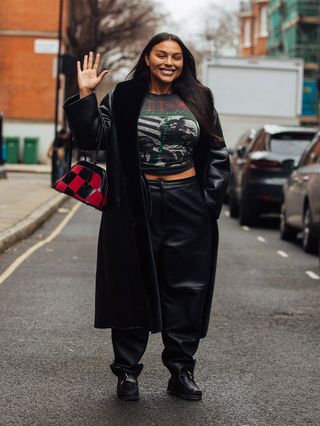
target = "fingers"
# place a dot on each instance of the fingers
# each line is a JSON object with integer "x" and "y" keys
{"x": 85, "y": 63}
{"x": 96, "y": 63}
{"x": 103, "y": 73}
{"x": 90, "y": 61}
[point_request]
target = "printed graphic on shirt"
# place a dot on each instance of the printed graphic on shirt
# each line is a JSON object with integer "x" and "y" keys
{"x": 167, "y": 132}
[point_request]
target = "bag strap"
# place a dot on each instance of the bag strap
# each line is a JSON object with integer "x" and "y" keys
{"x": 102, "y": 131}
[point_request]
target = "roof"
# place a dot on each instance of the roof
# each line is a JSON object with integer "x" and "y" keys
{"x": 274, "y": 128}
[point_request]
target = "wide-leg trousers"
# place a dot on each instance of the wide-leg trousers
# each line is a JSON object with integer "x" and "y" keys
{"x": 181, "y": 237}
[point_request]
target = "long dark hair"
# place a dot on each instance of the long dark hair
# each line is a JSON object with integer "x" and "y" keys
{"x": 198, "y": 97}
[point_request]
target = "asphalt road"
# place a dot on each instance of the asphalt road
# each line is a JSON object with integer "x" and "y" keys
{"x": 259, "y": 364}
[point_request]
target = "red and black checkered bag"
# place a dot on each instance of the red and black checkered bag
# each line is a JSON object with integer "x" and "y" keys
{"x": 85, "y": 181}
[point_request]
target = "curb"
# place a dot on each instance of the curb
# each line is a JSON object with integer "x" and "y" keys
{"x": 27, "y": 226}
{"x": 28, "y": 168}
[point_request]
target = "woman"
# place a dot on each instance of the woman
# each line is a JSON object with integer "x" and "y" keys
{"x": 168, "y": 168}
{"x": 60, "y": 148}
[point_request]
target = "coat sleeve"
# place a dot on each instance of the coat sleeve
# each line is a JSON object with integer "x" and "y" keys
{"x": 85, "y": 121}
{"x": 218, "y": 171}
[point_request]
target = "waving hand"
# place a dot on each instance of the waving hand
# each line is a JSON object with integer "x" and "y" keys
{"x": 88, "y": 80}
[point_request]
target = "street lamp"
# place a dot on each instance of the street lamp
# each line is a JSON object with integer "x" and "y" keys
{"x": 54, "y": 176}
{"x": 2, "y": 169}
{"x": 318, "y": 70}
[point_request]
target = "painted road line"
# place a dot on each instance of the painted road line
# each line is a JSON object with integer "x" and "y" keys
{"x": 261, "y": 239}
{"x": 313, "y": 275}
{"x": 246, "y": 228}
{"x": 63, "y": 210}
{"x": 227, "y": 213}
{"x": 282, "y": 253}
{"x": 6, "y": 274}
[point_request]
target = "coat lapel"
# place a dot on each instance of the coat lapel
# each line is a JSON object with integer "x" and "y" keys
{"x": 128, "y": 99}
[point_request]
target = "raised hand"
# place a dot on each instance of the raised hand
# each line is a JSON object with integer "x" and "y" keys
{"x": 88, "y": 79}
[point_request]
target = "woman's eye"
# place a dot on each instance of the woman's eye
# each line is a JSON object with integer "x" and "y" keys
{"x": 175, "y": 58}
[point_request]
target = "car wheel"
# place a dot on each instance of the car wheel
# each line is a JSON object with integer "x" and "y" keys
{"x": 233, "y": 206}
{"x": 286, "y": 232}
{"x": 309, "y": 242}
{"x": 247, "y": 213}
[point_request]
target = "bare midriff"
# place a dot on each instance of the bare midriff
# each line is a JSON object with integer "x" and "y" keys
{"x": 183, "y": 175}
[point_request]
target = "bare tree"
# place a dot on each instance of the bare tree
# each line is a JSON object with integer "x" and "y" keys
{"x": 117, "y": 29}
{"x": 222, "y": 30}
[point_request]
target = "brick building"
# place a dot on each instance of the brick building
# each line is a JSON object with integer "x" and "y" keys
{"x": 28, "y": 57}
{"x": 286, "y": 28}
{"x": 254, "y": 27}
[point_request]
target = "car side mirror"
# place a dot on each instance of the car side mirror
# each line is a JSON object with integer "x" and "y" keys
{"x": 289, "y": 165}
{"x": 241, "y": 151}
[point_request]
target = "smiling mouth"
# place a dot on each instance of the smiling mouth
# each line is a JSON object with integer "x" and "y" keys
{"x": 167, "y": 71}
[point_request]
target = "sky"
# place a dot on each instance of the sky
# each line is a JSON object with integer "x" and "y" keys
{"x": 186, "y": 14}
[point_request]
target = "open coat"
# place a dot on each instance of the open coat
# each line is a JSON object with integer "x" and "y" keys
{"x": 127, "y": 293}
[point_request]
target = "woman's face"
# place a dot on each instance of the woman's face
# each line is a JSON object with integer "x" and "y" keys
{"x": 165, "y": 61}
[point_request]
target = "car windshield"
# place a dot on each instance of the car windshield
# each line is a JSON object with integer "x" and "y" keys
{"x": 290, "y": 143}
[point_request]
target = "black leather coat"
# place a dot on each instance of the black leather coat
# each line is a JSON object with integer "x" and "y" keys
{"x": 127, "y": 292}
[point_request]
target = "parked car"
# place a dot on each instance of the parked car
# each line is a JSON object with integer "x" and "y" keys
{"x": 262, "y": 169}
{"x": 300, "y": 210}
{"x": 236, "y": 161}
{"x": 226, "y": 195}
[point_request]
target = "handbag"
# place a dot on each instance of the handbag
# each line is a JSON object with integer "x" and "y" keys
{"x": 86, "y": 181}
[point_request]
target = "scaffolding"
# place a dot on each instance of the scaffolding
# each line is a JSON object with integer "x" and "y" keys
{"x": 305, "y": 8}
{"x": 294, "y": 31}
{"x": 275, "y": 42}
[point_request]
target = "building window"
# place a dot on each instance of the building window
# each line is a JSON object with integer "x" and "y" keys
{"x": 247, "y": 33}
{"x": 264, "y": 21}
{"x": 255, "y": 31}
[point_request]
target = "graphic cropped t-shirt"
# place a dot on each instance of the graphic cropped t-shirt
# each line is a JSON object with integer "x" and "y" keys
{"x": 167, "y": 133}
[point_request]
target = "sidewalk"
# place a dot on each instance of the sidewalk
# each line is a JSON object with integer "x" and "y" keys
{"x": 27, "y": 200}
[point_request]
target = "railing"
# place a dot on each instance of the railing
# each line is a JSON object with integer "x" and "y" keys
{"x": 302, "y": 7}
{"x": 291, "y": 8}
{"x": 309, "y": 52}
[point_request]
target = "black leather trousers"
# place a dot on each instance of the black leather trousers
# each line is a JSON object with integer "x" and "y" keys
{"x": 181, "y": 235}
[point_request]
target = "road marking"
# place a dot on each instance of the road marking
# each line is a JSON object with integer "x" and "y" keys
{"x": 261, "y": 239}
{"x": 282, "y": 253}
{"x": 246, "y": 228}
{"x": 313, "y": 275}
{"x": 63, "y": 210}
{"x": 6, "y": 274}
{"x": 227, "y": 213}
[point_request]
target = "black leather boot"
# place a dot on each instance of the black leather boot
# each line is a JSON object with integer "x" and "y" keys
{"x": 182, "y": 384}
{"x": 128, "y": 388}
